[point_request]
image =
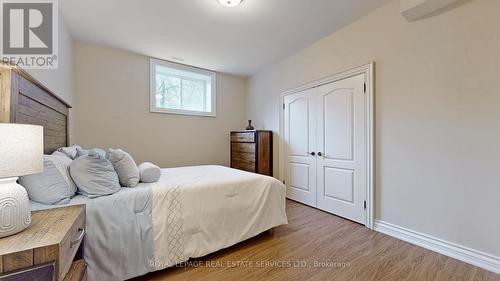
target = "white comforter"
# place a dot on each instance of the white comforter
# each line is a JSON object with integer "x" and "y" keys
{"x": 218, "y": 207}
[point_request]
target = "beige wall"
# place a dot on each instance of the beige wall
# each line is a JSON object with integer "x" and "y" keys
{"x": 60, "y": 80}
{"x": 112, "y": 89}
{"x": 437, "y": 114}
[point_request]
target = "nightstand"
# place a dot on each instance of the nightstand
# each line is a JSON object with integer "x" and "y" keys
{"x": 47, "y": 248}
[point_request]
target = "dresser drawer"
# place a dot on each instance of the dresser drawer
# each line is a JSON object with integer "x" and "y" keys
{"x": 240, "y": 147}
{"x": 70, "y": 244}
{"x": 243, "y": 137}
{"x": 244, "y": 157}
{"x": 245, "y": 166}
{"x": 243, "y": 160}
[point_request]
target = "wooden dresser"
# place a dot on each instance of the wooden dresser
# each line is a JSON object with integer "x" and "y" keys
{"x": 46, "y": 250}
{"x": 252, "y": 151}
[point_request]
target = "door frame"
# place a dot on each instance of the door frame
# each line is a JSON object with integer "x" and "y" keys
{"x": 368, "y": 71}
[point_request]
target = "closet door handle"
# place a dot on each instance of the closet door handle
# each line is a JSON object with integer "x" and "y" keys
{"x": 320, "y": 154}
{"x": 312, "y": 153}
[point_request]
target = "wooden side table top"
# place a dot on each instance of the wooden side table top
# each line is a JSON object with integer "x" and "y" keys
{"x": 48, "y": 227}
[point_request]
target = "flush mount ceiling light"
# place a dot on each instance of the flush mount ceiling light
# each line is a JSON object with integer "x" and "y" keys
{"x": 230, "y": 3}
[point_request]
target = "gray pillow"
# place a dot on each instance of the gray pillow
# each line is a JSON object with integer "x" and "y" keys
{"x": 125, "y": 167}
{"x": 60, "y": 154}
{"x": 52, "y": 186}
{"x": 62, "y": 163}
{"x": 82, "y": 152}
{"x": 149, "y": 172}
{"x": 94, "y": 176}
{"x": 70, "y": 151}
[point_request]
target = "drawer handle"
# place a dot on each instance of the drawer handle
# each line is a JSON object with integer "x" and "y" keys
{"x": 82, "y": 233}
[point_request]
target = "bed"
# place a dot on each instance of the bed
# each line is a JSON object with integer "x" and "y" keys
{"x": 189, "y": 213}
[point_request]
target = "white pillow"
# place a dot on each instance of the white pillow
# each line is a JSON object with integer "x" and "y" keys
{"x": 124, "y": 166}
{"x": 149, "y": 172}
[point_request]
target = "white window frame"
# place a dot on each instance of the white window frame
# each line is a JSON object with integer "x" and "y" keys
{"x": 152, "y": 91}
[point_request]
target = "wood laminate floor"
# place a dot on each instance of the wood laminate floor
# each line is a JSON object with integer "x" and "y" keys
{"x": 319, "y": 246}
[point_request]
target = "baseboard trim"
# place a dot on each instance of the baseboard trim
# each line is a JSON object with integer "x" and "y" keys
{"x": 450, "y": 249}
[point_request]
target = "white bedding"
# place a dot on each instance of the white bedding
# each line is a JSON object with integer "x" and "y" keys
{"x": 190, "y": 212}
{"x": 220, "y": 207}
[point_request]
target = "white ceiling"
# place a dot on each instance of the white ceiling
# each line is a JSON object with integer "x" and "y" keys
{"x": 239, "y": 40}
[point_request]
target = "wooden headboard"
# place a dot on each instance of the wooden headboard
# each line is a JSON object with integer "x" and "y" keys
{"x": 25, "y": 100}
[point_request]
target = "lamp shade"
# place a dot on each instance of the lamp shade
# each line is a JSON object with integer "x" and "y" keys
{"x": 21, "y": 150}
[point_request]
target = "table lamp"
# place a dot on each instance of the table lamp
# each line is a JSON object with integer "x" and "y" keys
{"x": 21, "y": 153}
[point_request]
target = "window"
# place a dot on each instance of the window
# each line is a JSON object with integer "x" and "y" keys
{"x": 182, "y": 89}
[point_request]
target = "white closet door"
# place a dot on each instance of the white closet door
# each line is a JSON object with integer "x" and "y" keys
{"x": 341, "y": 146}
{"x": 299, "y": 134}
